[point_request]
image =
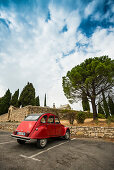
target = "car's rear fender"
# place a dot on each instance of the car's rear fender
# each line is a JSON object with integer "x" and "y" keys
{"x": 39, "y": 133}
{"x": 66, "y": 129}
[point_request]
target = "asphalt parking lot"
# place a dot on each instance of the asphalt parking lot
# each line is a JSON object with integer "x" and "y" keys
{"x": 76, "y": 154}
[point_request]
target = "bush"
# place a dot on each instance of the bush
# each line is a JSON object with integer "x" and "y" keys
{"x": 110, "y": 119}
{"x": 101, "y": 116}
{"x": 89, "y": 115}
{"x": 80, "y": 117}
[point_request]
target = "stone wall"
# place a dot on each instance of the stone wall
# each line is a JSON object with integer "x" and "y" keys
{"x": 4, "y": 117}
{"x": 93, "y": 132}
{"x": 88, "y": 132}
{"x": 18, "y": 114}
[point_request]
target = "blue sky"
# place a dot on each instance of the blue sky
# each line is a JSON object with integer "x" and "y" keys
{"x": 40, "y": 40}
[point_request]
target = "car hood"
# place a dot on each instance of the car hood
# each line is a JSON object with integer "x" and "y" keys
{"x": 26, "y": 126}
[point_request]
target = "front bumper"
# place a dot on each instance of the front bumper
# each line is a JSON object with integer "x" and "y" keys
{"x": 20, "y": 137}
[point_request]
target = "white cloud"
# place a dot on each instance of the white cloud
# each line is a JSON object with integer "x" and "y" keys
{"x": 31, "y": 53}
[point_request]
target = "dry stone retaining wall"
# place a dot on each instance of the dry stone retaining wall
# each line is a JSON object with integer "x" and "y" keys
{"x": 93, "y": 132}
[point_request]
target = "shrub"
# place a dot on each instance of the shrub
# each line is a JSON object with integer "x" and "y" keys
{"x": 102, "y": 116}
{"x": 89, "y": 115}
{"x": 80, "y": 117}
{"x": 110, "y": 119}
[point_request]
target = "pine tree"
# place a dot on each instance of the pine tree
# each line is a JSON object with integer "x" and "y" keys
{"x": 27, "y": 96}
{"x": 37, "y": 101}
{"x": 45, "y": 100}
{"x": 111, "y": 105}
{"x": 5, "y": 102}
{"x": 100, "y": 109}
{"x": 85, "y": 102}
{"x": 14, "y": 100}
{"x": 105, "y": 105}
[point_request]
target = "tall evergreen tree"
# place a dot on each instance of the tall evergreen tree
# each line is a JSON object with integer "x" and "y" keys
{"x": 111, "y": 105}
{"x": 105, "y": 105}
{"x": 45, "y": 100}
{"x": 37, "y": 101}
{"x": 100, "y": 109}
{"x": 85, "y": 102}
{"x": 14, "y": 100}
{"x": 27, "y": 96}
{"x": 5, "y": 102}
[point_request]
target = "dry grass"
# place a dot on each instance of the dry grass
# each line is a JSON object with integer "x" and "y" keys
{"x": 89, "y": 122}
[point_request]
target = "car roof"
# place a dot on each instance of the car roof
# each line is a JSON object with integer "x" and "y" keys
{"x": 40, "y": 114}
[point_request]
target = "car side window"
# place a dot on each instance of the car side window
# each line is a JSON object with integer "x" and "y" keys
{"x": 57, "y": 120}
{"x": 51, "y": 119}
{"x": 44, "y": 118}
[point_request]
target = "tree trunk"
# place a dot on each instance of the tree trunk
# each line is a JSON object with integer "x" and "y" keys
{"x": 94, "y": 109}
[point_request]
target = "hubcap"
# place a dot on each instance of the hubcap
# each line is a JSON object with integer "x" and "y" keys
{"x": 43, "y": 142}
{"x": 67, "y": 135}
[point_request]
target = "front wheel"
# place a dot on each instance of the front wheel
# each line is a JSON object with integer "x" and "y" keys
{"x": 67, "y": 135}
{"x": 41, "y": 143}
{"x": 20, "y": 141}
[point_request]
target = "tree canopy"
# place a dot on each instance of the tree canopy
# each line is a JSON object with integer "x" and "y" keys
{"x": 27, "y": 96}
{"x": 5, "y": 102}
{"x": 92, "y": 76}
{"x": 14, "y": 99}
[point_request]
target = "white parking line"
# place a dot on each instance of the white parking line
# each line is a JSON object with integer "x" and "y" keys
{"x": 29, "y": 158}
{"x": 39, "y": 153}
{"x": 6, "y": 142}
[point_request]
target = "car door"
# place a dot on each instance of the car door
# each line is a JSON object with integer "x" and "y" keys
{"x": 51, "y": 126}
{"x": 57, "y": 126}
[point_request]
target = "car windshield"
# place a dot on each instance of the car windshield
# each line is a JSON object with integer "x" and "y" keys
{"x": 32, "y": 117}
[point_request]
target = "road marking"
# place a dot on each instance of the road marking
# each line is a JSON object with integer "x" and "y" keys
{"x": 73, "y": 138}
{"x": 47, "y": 150}
{"x": 29, "y": 158}
{"x": 6, "y": 142}
{"x": 39, "y": 153}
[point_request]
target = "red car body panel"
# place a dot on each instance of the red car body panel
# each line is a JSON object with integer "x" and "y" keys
{"x": 39, "y": 130}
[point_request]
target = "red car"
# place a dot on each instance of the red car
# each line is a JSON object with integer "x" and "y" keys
{"x": 40, "y": 127}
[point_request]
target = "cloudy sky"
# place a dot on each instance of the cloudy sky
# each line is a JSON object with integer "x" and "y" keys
{"x": 40, "y": 40}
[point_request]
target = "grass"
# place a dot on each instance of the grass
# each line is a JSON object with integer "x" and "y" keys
{"x": 89, "y": 122}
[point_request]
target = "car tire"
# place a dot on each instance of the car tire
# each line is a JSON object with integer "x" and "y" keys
{"x": 21, "y": 141}
{"x": 67, "y": 135}
{"x": 41, "y": 143}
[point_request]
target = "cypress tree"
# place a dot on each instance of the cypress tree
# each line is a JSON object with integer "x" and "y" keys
{"x": 14, "y": 100}
{"x": 37, "y": 101}
{"x": 27, "y": 96}
{"x": 100, "y": 109}
{"x": 111, "y": 105}
{"x": 85, "y": 102}
{"x": 45, "y": 100}
{"x": 5, "y": 102}
{"x": 105, "y": 105}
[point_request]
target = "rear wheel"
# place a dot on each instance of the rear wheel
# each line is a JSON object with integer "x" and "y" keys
{"x": 67, "y": 135}
{"x": 41, "y": 143}
{"x": 20, "y": 141}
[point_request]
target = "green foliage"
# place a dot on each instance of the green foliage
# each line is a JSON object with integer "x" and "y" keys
{"x": 45, "y": 101}
{"x": 37, "y": 101}
{"x": 100, "y": 109}
{"x": 5, "y": 102}
{"x": 110, "y": 119}
{"x": 89, "y": 115}
{"x": 111, "y": 105}
{"x": 105, "y": 105}
{"x": 27, "y": 96}
{"x": 101, "y": 116}
{"x": 91, "y": 77}
{"x": 85, "y": 102}
{"x": 80, "y": 117}
{"x": 14, "y": 100}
